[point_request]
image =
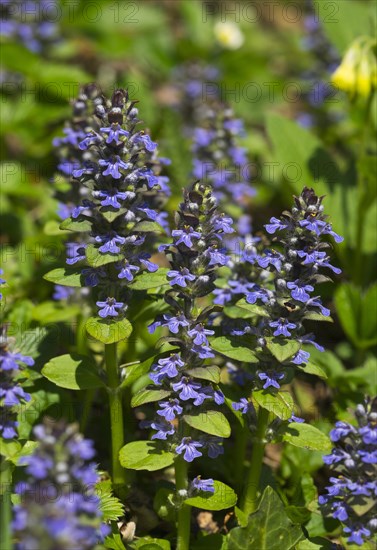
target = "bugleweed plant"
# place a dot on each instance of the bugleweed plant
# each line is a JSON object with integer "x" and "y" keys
{"x": 187, "y": 347}
{"x": 120, "y": 209}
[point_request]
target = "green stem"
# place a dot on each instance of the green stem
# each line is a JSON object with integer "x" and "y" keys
{"x": 361, "y": 207}
{"x": 119, "y": 474}
{"x": 250, "y": 501}
{"x": 242, "y": 436}
{"x": 5, "y": 505}
{"x": 184, "y": 512}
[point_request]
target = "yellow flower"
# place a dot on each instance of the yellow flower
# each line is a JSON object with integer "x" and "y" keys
{"x": 364, "y": 81}
{"x": 357, "y": 73}
{"x": 345, "y": 75}
{"x": 229, "y": 35}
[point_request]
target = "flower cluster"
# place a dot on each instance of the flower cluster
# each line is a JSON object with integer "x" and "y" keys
{"x": 324, "y": 59}
{"x": 71, "y": 157}
{"x": 196, "y": 85}
{"x": 288, "y": 296}
{"x": 218, "y": 159}
{"x": 357, "y": 72}
{"x": 196, "y": 253}
{"x": 58, "y": 506}
{"x": 11, "y": 392}
{"x": 352, "y": 496}
{"x": 33, "y": 23}
{"x": 123, "y": 199}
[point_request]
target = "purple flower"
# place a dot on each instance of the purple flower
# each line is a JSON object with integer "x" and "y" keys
{"x": 110, "y": 197}
{"x": 187, "y": 389}
{"x": 110, "y": 243}
{"x": 167, "y": 367}
{"x": 243, "y": 405}
{"x": 144, "y": 260}
{"x": 275, "y": 225}
{"x": 214, "y": 449}
{"x": 205, "y": 485}
{"x": 369, "y": 457}
{"x": 294, "y": 418}
{"x": 301, "y": 357}
{"x": 109, "y": 308}
{"x": 316, "y": 302}
{"x": 199, "y": 334}
{"x": 282, "y": 327}
{"x": 163, "y": 429}
{"x": 300, "y": 290}
{"x": 62, "y": 292}
{"x": 126, "y": 271}
{"x": 357, "y": 534}
{"x": 13, "y": 395}
{"x": 257, "y": 293}
{"x": 9, "y": 360}
{"x": 223, "y": 223}
{"x": 316, "y": 258}
{"x": 271, "y": 379}
{"x": 185, "y": 235}
{"x": 113, "y": 166}
{"x": 114, "y": 132}
{"x": 217, "y": 257}
{"x": 169, "y": 409}
{"x": 189, "y": 448}
{"x": 369, "y": 434}
{"x": 203, "y": 137}
{"x": 145, "y": 140}
{"x": 340, "y": 512}
{"x": 270, "y": 258}
{"x": 75, "y": 253}
{"x": 341, "y": 430}
{"x": 223, "y": 296}
{"x": 180, "y": 277}
{"x": 204, "y": 352}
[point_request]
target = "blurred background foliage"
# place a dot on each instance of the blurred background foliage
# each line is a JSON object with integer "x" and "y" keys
{"x": 291, "y": 141}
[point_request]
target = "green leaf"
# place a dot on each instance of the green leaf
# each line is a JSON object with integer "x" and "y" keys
{"x": 343, "y": 22}
{"x": 147, "y": 280}
{"x": 210, "y": 422}
{"x": 81, "y": 226}
{"x": 357, "y": 313}
{"x": 147, "y": 227}
{"x": 145, "y": 455}
{"x": 133, "y": 372}
{"x": 253, "y": 309}
{"x": 66, "y": 276}
{"x": 210, "y": 373}
{"x": 149, "y": 543}
{"x": 316, "y": 543}
{"x": 235, "y": 312}
{"x": 97, "y": 259}
{"x": 148, "y": 396}
{"x": 300, "y": 155}
{"x": 313, "y": 316}
{"x": 74, "y": 372}
{"x": 108, "y": 331}
{"x": 224, "y": 497}
{"x": 280, "y": 404}
{"x": 232, "y": 349}
{"x": 282, "y": 349}
{"x": 10, "y": 449}
{"x": 53, "y": 312}
{"x": 114, "y": 542}
{"x": 269, "y": 528}
{"x": 311, "y": 368}
{"x": 110, "y": 506}
{"x": 307, "y": 437}
{"x": 163, "y": 503}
